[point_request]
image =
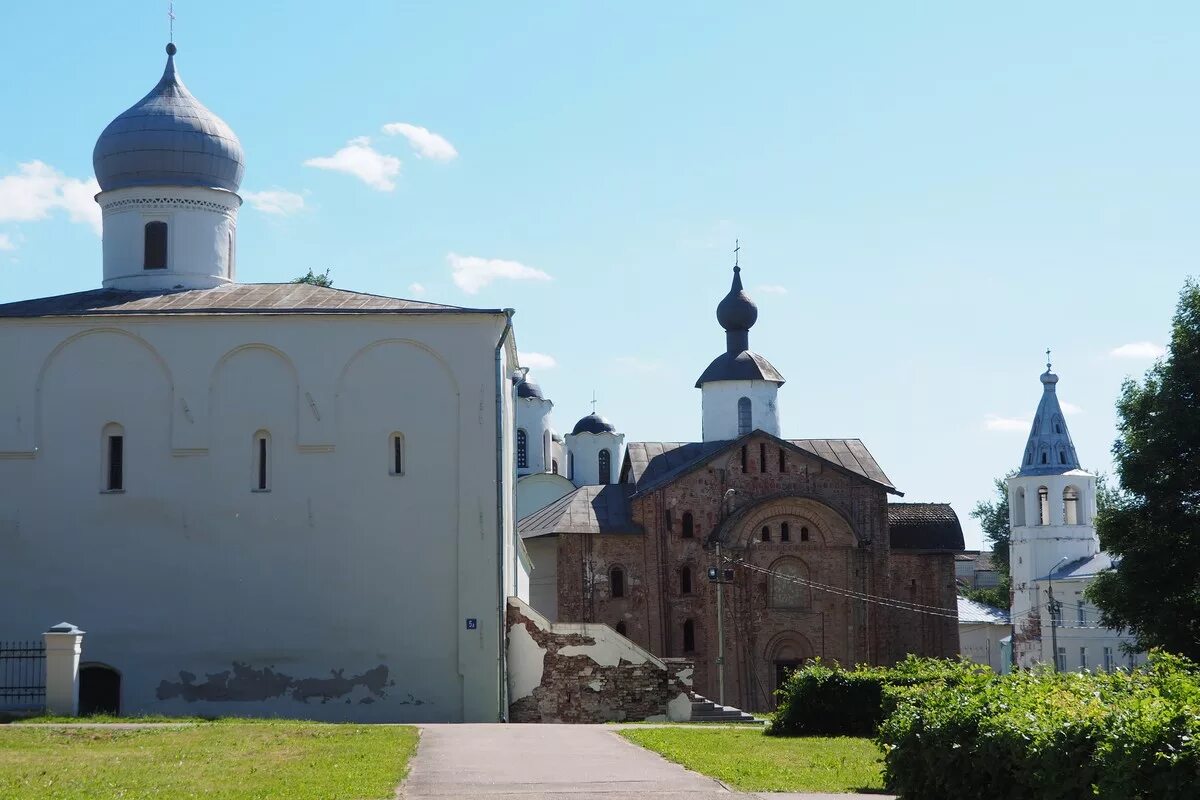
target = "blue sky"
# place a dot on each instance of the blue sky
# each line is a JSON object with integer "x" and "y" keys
{"x": 928, "y": 195}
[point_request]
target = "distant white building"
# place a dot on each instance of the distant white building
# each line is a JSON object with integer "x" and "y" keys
{"x": 1054, "y": 551}
{"x": 272, "y": 499}
{"x": 981, "y": 631}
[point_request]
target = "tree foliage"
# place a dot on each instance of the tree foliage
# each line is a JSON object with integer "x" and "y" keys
{"x": 993, "y": 519}
{"x": 316, "y": 279}
{"x": 1153, "y": 524}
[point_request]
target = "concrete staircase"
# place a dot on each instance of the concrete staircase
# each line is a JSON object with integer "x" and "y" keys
{"x": 705, "y": 710}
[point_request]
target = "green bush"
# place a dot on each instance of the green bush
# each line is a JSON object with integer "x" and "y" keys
{"x": 823, "y": 700}
{"x": 1121, "y": 736}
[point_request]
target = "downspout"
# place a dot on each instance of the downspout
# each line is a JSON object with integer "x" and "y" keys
{"x": 502, "y": 609}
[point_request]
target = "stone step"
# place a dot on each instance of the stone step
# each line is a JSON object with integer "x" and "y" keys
{"x": 705, "y": 710}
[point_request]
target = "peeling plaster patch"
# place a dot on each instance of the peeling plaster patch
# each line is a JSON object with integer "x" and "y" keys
{"x": 609, "y": 650}
{"x": 680, "y": 709}
{"x": 526, "y": 659}
{"x": 244, "y": 683}
{"x": 596, "y": 685}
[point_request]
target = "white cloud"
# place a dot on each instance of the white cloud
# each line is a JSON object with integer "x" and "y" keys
{"x": 425, "y": 142}
{"x": 6, "y": 242}
{"x": 275, "y": 201}
{"x": 472, "y": 273}
{"x": 1140, "y": 350}
{"x": 638, "y": 364}
{"x": 995, "y": 422}
{"x": 771, "y": 288}
{"x": 1070, "y": 409}
{"x": 538, "y": 361}
{"x": 416, "y": 289}
{"x": 37, "y": 189}
{"x": 360, "y": 159}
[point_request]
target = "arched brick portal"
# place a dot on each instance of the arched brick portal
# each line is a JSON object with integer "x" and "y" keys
{"x": 770, "y": 630}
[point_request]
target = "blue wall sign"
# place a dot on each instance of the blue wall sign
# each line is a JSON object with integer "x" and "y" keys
{"x": 472, "y": 623}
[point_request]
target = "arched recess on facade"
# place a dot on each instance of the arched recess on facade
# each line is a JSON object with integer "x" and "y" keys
{"x": 226, "y": 365}
{"x": 827, "y": 526}
{"x": 785, "y": 652}
{"x": 788, "y": 585}
{"x": 57, "y": 353}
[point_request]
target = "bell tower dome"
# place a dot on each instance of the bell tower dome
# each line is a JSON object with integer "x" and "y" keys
{"x": 739, "y": 388}
{"x": 169, "y": 171}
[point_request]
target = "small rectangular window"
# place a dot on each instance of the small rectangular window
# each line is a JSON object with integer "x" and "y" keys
{"x": 670, "y": 526}
{"x": 782, "y": 460}
{"x": 1061, "y": 659}
{"x": 262, "y": 463}
{"x": 156, "y": 245}
{"x": 1110, "y": 662}
{"x": 744, "y": 458}
{"x": 116, "y": 463}
{"x": 1083, "y": 658}
{"x": 1082, "y": 616}
{"x": 397, "y": 455}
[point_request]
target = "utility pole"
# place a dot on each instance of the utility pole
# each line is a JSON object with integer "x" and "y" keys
{"x": 1054, "y": 611}
{"x": 720, "y": 627}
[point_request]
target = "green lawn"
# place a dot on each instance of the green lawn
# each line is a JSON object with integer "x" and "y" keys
{"x": 750, "y": 761}
{"x": 221, "y": 760}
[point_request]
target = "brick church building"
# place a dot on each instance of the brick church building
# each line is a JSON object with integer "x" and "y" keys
{"x": 814, "y": 559}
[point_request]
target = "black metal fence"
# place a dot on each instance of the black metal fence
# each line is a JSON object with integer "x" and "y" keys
{"x": 22, "y": 675}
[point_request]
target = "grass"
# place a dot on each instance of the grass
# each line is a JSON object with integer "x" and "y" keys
{"x": 229, "y": 760}
{"x": 749, "y": 761}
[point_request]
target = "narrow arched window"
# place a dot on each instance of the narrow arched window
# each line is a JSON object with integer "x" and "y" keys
{"x": 745, "y": 418}
{"x": 1043, "y": 506}
{"x": 262, "y": 466}
{"x": 762, "y": 456}
{"x": 785, "y": 533}
{"x": 766, "y": 533}
{"x": 620, "y": 628}
{"x": 689, "y": 525}
{"x": 1070, "y": 506}
{"x": 554, "y": 465}
{"x": 156, "y": 245}
{"x": 616, "y": 582}
{"x": 605, "y": 463}
{"x": 522, "y": 449}
{"x": 782, "y": 460}
{"x": 743, "y": 458}
{"x": 1062, "y": 456}
{"x": 803, "y": 534}
{"x": 229, "y": 258}
{"x": 1045, "y": 457}
{"x": 685, "y": 580}
{"x": 1018, "y": 510}
{"x": 670, "y": 519}
{"x": 689, "y": 636}
{"x": 114, "y": 458}
{"x": 396, "y": 454}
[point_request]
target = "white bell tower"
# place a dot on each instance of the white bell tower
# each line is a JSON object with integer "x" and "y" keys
{"x": 1052, "y": 505}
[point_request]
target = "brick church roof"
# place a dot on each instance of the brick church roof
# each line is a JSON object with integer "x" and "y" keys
{"x": 588, "y": 509}
{"x": 237, "y": 298}
{"x": 652, "y": 464}
{"x": 924, "y": 526}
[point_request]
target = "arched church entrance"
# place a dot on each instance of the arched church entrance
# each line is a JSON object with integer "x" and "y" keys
{"x": 99, "y": 690}
{"x": 787, "y": 653}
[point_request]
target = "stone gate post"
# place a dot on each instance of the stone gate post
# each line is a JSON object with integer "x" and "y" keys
{"x": 64, "y": 643}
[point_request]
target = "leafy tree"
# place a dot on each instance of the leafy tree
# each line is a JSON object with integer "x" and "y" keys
{"x": 993, "y": 518}
{"x": 1153, "y": 524}
{"x": 316, "y": 279}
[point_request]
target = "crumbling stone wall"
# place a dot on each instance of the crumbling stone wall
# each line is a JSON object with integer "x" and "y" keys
{"x": 579, "y": 673}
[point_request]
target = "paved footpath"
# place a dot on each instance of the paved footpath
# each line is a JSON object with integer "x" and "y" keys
{"x": 555, "y": 762}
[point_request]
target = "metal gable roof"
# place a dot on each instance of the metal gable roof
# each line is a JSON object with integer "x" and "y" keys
{"x": 651, "y": 464}
{"x": 588, "y": 509}
{"x": 238, "y": 298}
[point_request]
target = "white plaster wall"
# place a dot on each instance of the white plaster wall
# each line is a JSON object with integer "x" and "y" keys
{"x": 199, "y": 221}
{"x": 585, "y": 456}
{"x": 719, "y": 408}
{"x": 543, "y": 585}
{"x": 980, "y": 642}
{"x": 1072, "y": 636}
{"x": 533, "y": 416}
{"x": 535, "y": 492}
{"x": 340, "y": 568}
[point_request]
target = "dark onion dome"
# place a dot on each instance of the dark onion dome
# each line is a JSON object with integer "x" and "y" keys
{"x": 736, "y": 311}
{"x": 594, "y": 423}
{"x": 528, "y": 388}
{"x": 737, "y": 314}
{"x": 168, "y": 138}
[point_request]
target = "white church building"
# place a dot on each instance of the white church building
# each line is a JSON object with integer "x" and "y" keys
{"x": 1055, "y": 552}
{"x": 269, "y": 499}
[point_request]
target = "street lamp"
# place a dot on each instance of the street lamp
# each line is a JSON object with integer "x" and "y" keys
{"x": 1054, "y": 612}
